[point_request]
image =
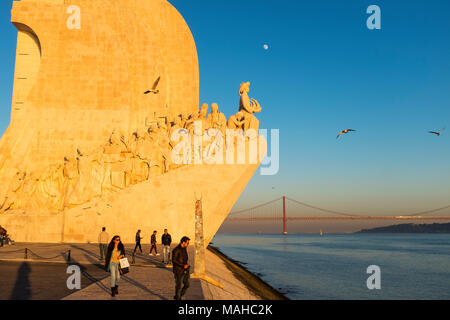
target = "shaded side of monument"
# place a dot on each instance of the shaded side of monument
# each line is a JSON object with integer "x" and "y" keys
{"x": 92, "y": 111}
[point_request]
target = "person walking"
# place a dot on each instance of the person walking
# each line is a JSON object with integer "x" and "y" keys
{"x": 116, "y": 251}
{"x": 153, "y": 244}
{"x": 2, "y": 235}
{"x": 166, "y": 240}
{"x": 138, "y": 241}
{"x": 103, "y": 239}
{"x": 181, "y": 268}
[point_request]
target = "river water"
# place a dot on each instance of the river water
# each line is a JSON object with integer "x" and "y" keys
{"x": 334, "y": 266}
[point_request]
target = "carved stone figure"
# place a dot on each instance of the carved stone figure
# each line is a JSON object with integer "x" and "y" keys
{"x": 183, "y": 118}
{"x": 140, "y": 164}
{"x": 176, "y": 126}
{"x": 31, "y": 198}
{"x": 248, "y": 107}
{"x": 197, "y": 116}
{"x": 115, "y": 160}
{"x": 236, "y": 121}
{"x": 216, "y": 119}
{"x": 51, "y": 187}
{"x": 70, "y": 171}
{"x": 88, "y": 184}
{"x": 14, "y": 192}
{"x": 163, "y": 146}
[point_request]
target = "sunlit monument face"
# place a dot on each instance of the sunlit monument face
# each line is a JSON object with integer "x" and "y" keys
{"x": 72, "y": 87}
{"x": 89, "y": 75}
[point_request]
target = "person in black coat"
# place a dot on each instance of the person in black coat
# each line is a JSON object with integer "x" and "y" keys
{"x": 153, "y": 243}
{"x": 181, "y": 268}
{"x": 116, "y": 251}
{"x": 166, "y": 241}
{"x": 138, "y": 241}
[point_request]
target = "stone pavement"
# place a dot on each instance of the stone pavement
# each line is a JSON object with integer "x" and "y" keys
{"x": 149, "y": 278}
{"x": 142, "y": 283}
{"x": 41, "y": 281}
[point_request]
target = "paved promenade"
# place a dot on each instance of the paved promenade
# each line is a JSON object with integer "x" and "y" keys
{"x": 149, "y": 278}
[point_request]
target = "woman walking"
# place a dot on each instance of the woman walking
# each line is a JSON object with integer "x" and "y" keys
{"x": 116, "y": 251}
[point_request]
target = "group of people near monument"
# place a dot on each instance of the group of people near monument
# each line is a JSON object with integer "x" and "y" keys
{"x": 111, "y": 252}
{"x": 123, "y": 160}
{"x": 166, "y": 241}
{"x": 5, "y": 238}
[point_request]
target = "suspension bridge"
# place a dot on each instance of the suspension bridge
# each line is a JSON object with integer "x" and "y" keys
{"x": 286, "y": 209}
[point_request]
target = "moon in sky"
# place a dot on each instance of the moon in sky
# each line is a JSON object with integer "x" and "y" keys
{"x": 266, "y": 47}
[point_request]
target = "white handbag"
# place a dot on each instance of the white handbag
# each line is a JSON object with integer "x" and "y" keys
{"x": 124, "y": 263}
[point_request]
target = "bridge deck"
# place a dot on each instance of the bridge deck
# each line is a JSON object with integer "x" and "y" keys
{"x": 342, "y": 218}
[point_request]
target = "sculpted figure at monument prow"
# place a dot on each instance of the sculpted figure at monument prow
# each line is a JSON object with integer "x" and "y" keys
{"x": 248, "y": 107}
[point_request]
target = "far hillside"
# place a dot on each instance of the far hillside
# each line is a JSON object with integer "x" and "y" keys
{"x": 411, "y": 228}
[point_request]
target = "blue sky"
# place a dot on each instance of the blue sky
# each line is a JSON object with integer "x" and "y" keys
{"x": 325, "y": 71}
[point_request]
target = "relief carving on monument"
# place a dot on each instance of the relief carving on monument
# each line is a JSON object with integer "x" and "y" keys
{"x": 126, "y": 160}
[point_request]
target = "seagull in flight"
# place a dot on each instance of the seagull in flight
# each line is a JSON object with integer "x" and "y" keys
{"x": 437, "y": 133}
{"x": 344, "y": 131}
{"x": 153, "y": 90}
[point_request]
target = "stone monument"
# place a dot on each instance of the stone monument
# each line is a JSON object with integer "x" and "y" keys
{"x": 100, "y": 89}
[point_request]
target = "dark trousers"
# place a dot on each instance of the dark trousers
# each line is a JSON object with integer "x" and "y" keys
{"x": 103, "y": 249}
{"x": 153, "y": 246}
{"x": 138, "y": 244}
{"x": 182, "y": 278}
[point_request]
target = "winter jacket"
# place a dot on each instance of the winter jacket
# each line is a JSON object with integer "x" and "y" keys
{"x": 110, "y": 251}
{"x": 166, "y": 239}
{"x": 179, "y": 259}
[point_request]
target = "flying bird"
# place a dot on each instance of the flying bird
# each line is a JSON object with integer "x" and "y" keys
{"x": 344, "y": 131}
{"x": 437, "y": 133}
{"x": 153, "y": 90}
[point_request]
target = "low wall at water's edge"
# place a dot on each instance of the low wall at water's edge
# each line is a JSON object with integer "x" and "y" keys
{"x": 238, "y": 282}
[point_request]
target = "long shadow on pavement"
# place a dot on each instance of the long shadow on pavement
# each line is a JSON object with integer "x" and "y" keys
{"x": 94, "y": 280}
{"x": 140, "y": 286}
{"x": 22, "y": 287}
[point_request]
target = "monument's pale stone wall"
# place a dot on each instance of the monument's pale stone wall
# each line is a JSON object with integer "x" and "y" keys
{"x": 73, "y": 86}
{"x": 77, "y": 154}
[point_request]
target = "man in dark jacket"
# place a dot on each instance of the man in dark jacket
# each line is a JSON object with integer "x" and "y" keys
{"x": 138, "y": 241}
{"x": 153, "y": 244}
{"x": 166, "y": 240}
{"x": 181, "y": 268}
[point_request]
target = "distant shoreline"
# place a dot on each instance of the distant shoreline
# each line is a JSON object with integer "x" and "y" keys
{"x": 254, "y": 283}
{"x": 432, "y": 228}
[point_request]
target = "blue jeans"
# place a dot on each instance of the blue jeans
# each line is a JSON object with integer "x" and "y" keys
{"x": 115, "y": 274}
{"x": 166, "y": 252}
